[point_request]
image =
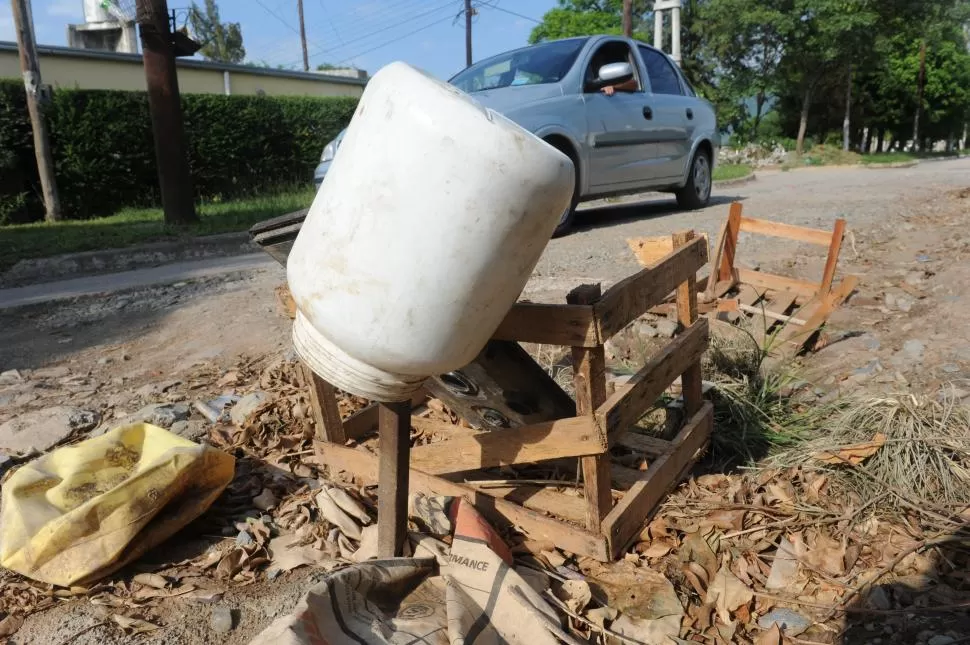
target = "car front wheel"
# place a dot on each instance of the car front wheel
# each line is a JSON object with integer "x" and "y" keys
{"x": 697, "y": 191}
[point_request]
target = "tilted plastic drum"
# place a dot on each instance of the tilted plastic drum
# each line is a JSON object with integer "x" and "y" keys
{"x": 423, "y": 234}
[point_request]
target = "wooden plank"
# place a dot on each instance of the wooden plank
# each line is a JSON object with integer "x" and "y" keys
{"x": 364, "y": 421}
{"x": 773, "y": 311}
{"x": 539, "y": 498}
{"x": 835, "y": 247}
{"x": 748, "y": 295}
{"x": 790, "y": 231}
{"x": 589, "y": 383}
{"x": 710, "y": 285}
{"x": 573, "y": 437}
{"x": 627, "y": 517}
{"x": 326, "y": 414}
{"x": 547, "y": 324}
{"x": 726, "y": 269}
{"x": 648, "y": 250}
{"x": 631, "y": 297}
{"x": 789, "y": 341}
{"x": 687, "y": 316}
{"x": 392, "y": 486}
{"x": 624, "y": 409}
{"x": 644, "y": 443}
{"x": 777, "y": 282}
{"x": 363, "y": 465}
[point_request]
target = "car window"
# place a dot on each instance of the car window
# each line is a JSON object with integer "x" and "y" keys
{"x": 663, "y": 78}
{"x": 545, "y": 63}
{"x": 610, "y": 52}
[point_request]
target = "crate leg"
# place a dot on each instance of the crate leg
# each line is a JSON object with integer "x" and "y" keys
{"x": 726, "y": 270}
{"x": 392, "y": 483}
{"x": 687, "y": 315}
{"x": 326, "y": 414}
{"x": 589, "y": 379}
{"x": 833, "y": 258}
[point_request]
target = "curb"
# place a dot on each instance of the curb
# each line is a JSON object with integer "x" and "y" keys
{"x": 86, "y": 263}
{"x": 887, "y": 166}
{"x": 738, "y": 181}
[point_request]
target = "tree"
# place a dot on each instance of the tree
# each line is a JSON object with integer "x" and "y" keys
{"x": 220, "y": 41}
{"x": 586, "y": 18}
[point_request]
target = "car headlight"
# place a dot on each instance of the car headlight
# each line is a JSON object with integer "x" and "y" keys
{"x": 329, "y": 151}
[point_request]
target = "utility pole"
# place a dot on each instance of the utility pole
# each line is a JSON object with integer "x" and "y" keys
{"x": 164, "y": 105}
{"x": 628, "y": 18}
{"x": 469, "y": 12}
{"x": 306, "y": 58}
{"x": 846, "y": 123}
{"x": 919, "y": 95}
{"x": 30, "y": 67}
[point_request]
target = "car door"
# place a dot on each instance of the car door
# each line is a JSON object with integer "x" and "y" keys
{"x": 620, "y": 128}
{"x": 672, "y": 113}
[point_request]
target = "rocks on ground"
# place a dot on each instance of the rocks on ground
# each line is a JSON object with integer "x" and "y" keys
{"x": 43, "y": 429}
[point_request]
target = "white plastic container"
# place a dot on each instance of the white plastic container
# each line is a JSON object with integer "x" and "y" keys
{"x": 423, "y": 234}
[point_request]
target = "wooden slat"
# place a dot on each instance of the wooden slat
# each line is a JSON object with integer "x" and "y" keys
{"x": 624, "y": 409}
{"x": 777, "y": 282}
{"x": 762, "y": 321}
{"x": 628, "y": 516}
{"x": 790, "y": 231}
{"x": 710, "y": 285}
{"x": 790, "y": 340}
{"x": 573, "y": 437}
{"x": 364, "y": 421}
{"x": 363, "y": 465}
{"x": 687, "y": 316}
{"x": 326, "y": 414}
{"x": 748, "y": 295}
{"x": 392, "y": 496}
{"x": 725, "y": 271}
{"x": 632, "y": 296}
{"x": 547, "y": 324}
{"x": 539, "y": 498}
{"x": 644, "y": 443}
{"x": 650, "y": 249}
{"x": 589, "y": 384}
{"x": 835, "y": 246}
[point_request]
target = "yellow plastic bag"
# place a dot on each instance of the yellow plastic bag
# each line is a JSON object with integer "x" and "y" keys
{"x": 81, "y": 512}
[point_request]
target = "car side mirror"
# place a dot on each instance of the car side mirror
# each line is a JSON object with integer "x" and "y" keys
{"x": 613, "y": 73}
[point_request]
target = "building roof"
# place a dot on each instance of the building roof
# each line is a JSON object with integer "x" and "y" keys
{"x": 95, "y": 54}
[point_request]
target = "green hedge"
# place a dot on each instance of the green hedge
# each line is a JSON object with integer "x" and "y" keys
{"x": 105, "y": 160}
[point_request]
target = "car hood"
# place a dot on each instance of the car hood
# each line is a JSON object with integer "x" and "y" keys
{"x": 508, "y": 99}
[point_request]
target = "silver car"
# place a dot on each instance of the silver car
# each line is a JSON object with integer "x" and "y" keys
{"x": 620, "y": 109}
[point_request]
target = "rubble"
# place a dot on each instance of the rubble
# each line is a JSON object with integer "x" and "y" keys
{"x": 42, "y": 429}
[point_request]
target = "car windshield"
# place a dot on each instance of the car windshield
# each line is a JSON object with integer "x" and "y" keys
{"x": 546, "y": 63}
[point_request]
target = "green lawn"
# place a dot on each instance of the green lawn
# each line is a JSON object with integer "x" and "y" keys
{"x": 731, "y": 171}
{"x": 140, "y": 225}
{"x": 888, "y": 157}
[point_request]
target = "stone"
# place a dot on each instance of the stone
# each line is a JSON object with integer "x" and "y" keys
{"x": 192, "y": 430}
{"x": 890, "y": 300}
{"x": 43, "y": 429}
{"x": 914, "y": 278}
{"x": 667, "y": 328}
{"x": 265, "y": 501}
{"x": 11, "y": 377}
{"x": 163, "y": 415}
{"x": 950, "y": 368}
{"x": 221, "y": 621}
{"x": 104, "y": 360}
{"x": 791, "y": 622}
{"x": 244, "y": 539}
{"x": 940, "y": 639}
{"x": 646, "y": 330}
{"x": 51, "y": 372}
{"x": 871, "y": 342}
{"x": 877, "y": 598}
{"x": 6, "y": 461}
{"x": 903, "y": 303}
{"x": 245, "y": 407}
{"x": 914, "y": 349}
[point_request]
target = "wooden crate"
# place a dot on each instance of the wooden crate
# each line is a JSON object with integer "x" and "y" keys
{"x": 596, "y": 524}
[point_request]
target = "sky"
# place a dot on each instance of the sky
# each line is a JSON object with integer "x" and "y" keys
{"x": 364, "y": 33}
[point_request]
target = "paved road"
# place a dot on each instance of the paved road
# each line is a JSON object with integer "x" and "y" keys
{"x": 597, "y": 250}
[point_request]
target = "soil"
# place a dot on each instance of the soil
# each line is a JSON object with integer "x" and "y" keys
{"x": 908, "y": 240}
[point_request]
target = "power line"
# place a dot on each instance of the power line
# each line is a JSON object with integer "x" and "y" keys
{"x": 438, "y": 8}
{"x": 394, "y": 40}
{"x": 508, "y": 11}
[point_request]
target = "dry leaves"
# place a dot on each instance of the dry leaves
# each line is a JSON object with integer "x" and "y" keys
{"x": 854, "y": 454}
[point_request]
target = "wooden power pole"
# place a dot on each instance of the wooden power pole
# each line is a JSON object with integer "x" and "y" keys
{"x": 306, "y": 58}
{"x": 168, "y": 129}
{"x": 628, "y": 18}
{"x": 29, "y": 65}
{"x": 469, "y": 12}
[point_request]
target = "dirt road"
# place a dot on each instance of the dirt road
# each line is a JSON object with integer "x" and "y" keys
{"x": 905, "y": 327}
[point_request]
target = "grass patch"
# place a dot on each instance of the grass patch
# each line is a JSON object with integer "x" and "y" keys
{"x": 888, "y": 158}
{"x": 731, "y": 171}
{"x": 134, "y": 226}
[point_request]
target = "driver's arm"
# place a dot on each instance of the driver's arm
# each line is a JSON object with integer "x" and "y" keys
{"x": 626, "y": 86}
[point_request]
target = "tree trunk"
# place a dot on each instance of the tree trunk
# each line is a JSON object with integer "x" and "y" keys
{"x": 880, "y": 139}
{"x": 866, "y": 140}
{"x": 759, "y": 106}
{"x": 847, "y": 120}
{"x": 803, "y": 122}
